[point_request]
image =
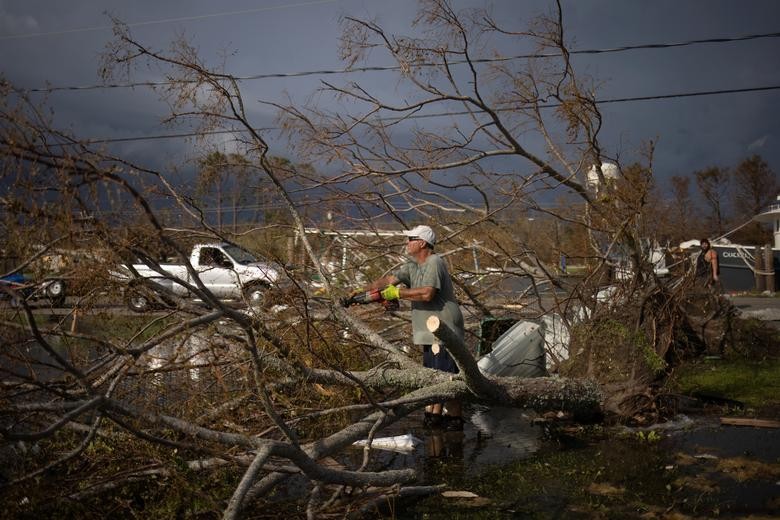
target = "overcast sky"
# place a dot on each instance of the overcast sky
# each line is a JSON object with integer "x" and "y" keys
{"x": 58, "y": 44}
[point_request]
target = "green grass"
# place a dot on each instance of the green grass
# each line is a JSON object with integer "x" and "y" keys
{"x": 757, "y": 384}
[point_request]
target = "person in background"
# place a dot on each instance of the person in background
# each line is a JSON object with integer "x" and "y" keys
{"x": 429, "y": 288}
{"x": 707, "y": 268}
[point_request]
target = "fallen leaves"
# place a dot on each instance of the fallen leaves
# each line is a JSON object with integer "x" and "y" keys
{"x": 742, "y": 469}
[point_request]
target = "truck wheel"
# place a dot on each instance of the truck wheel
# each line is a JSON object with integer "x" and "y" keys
{"x": 55, "y": 291}
{"x": 255, "y": 294}
{"x": 138, "y": 303}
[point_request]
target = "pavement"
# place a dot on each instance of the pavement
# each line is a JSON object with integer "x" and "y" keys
{"x": 765, "y": 308}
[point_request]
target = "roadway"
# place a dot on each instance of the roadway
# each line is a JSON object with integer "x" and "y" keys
{"x": 766, "y": 308}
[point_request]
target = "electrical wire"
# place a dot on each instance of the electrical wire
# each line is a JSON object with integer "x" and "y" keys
{"x": 167, "y": 136}
{"x": 165, "y": 20}
{"x": 325, "y": 72}
{"x": 443, "y": 114}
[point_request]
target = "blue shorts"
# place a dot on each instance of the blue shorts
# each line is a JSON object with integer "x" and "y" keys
{"x": 441, "y": 361}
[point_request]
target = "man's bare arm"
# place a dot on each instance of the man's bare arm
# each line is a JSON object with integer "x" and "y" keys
{"x": 714, "y": 262}
{"x": 381, "y": 283}
{"x": 418, "y": 294}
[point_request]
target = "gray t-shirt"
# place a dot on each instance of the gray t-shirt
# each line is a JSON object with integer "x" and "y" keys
{"x": 432, "y": 273}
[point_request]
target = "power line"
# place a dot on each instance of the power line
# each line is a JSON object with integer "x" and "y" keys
{"x": 165, "y": 20}
{"x": 690, "y": 94}
{"x": 326, "y": 72}
{"x": 678, "y": 44}
{"x": 615, "y": 100}
{"x": 449, "y": 114}
{"x": 170, "y": 136}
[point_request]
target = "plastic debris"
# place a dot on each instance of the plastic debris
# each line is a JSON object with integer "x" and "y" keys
{"x": 402, "y": 443}
{"x": 517, "y": 352}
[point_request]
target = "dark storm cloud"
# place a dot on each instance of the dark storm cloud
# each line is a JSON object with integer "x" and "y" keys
{"x": 691, "y": 133}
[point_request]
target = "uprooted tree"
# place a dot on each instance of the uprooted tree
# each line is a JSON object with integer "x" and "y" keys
{"x": 257, "y": 396}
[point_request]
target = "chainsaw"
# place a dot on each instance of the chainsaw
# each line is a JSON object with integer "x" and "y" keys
{"x": 372, "y": 296}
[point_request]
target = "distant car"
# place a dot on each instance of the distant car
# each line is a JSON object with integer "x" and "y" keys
{"x": 17, "y": 285}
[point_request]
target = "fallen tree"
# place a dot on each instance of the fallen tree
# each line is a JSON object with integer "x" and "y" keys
{"x": 260, "y": 396}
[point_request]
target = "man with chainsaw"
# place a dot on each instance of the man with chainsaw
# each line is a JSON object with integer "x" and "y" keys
{"x": 429, "y": 287}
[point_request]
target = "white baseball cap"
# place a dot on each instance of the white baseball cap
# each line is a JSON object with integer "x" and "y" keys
{"x": 423, "y": 233}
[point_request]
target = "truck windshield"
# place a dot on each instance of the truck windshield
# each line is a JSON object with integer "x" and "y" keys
{"x": 241, "y": 256}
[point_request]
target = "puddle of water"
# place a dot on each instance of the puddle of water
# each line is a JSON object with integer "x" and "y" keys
{"x": 734, "y": 441}
{"x": 741, "y": 463}
{"x": 490, "y": 436}
{"x": 699, "y": 471}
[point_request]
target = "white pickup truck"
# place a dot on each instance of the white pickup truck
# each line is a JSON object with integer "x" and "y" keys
{"x": 227, "y": 270}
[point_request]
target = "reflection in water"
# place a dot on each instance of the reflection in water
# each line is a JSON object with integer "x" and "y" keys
{"x": 444, "y": 444}
{"x": 504, "y": 434}
{"x": 491, "y": 436}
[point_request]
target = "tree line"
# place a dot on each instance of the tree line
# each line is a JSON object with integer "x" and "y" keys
{"x": 719, "y": 200}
